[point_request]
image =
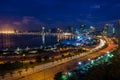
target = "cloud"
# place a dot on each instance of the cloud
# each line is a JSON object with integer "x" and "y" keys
{"x": 25, "y": 23}
{"x": 95, "y": 7}
{"x": 16, "y": 23}
{"x": 27, "y": 19}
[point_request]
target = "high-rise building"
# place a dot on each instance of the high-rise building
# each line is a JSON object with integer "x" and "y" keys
{"x": 105, "y": 30}
{"x": 43, "y": 35}
{"x": 117, "y": 29}
{"x": 92, "y": 29}
{"x": 69, "y": 29}
{"x": 83, "y": 28}
{"x": 118, "y": 33}
{"x": 111, "y": 30}
{"x": 43, "y": 29}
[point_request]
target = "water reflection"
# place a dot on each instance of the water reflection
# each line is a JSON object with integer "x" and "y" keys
{"x": 6, "y": 41}
{"x": 12, "y": 41}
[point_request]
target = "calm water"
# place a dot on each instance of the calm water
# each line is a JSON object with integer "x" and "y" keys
{"x": 12, "y": 41}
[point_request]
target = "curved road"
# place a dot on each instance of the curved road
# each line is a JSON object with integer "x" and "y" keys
{"x": 48, "y": 74}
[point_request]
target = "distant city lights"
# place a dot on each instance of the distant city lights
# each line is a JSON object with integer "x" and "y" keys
{"x": 6, "y": 29}
{"x": 7, "y": 32}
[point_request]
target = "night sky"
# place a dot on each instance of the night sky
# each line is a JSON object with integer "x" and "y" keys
{"x": 33, "y": 14}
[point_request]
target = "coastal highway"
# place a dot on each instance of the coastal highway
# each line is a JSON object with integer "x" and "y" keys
{"x": 47, "y": 71}
{"x": 48, "y": 74}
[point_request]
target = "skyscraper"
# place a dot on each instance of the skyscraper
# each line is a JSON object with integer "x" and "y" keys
{"x": 118, "y": 33}
{"x": 83, "y": 28}
{"x": 43, "y": 36}
{"x": 105, "y": 30}
{"x": 111, "y": 30}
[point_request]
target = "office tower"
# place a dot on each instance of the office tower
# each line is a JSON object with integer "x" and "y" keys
{"x": 111, "y": 30}
{"x": 118, "y": 34}
{"x": 105, "y": 30}
{"x": 43, "y": 36}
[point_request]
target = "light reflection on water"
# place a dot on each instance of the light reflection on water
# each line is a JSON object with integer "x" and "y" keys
{"x": 12, "y": 41}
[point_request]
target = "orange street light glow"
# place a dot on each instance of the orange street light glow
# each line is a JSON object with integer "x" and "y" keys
{"x": 7, "y": 32}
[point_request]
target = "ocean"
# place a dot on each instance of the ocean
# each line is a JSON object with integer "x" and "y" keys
{"x": 13, "y": 41}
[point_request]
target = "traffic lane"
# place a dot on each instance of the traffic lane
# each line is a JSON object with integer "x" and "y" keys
{"x": 48, "y": 74}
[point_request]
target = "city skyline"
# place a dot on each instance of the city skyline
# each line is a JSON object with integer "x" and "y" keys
{"x": 33, "y": 14}
{"x": 59, "y": 39}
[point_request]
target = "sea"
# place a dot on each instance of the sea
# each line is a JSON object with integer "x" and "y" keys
{"x": 13, "y": 41}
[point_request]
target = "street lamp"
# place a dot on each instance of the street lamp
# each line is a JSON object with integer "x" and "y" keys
{"x": 89, "y": 59}
{"x": 79, "y": 63}
{"x": 92, "y": 61}
{"x": 23, "y": 56}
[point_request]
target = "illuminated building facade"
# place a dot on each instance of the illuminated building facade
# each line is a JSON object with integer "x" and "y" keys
{"x": 111, "y": 30}
{"x": 118, "y": 33}
{"x": 105, "y": 30}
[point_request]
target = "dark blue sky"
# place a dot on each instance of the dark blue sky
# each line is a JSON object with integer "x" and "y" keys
{"x": 32, "y": 14}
